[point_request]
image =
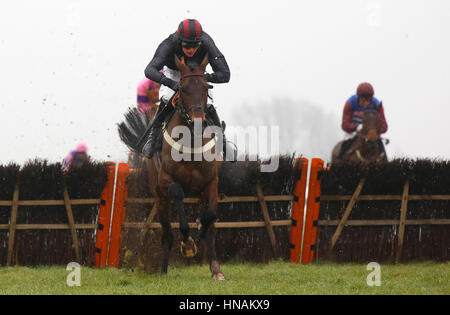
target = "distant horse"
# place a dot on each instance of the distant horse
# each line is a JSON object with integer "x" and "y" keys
{"x": 367, "y": 143}
{"x": 169, "y": 180}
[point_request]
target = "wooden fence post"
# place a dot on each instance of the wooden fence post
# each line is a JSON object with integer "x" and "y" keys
{"x": 71, "y": 220}
{"x": 120, "y": 199}
{"x": 265, "y": 212}
{"x": 104, "y": 217}
{"x": 12, "y": 224}
{"x": 347, "y": 212}
{"x": 147, "y": 225}
{"x": 298, "y": 210}
{"x": 401, "y": 230}
{"x": 312, "y": 211}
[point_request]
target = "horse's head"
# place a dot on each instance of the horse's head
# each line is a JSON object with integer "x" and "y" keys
{"x": 193, "y": 90}
{"x": 366, "y": 146}
{"x": 371, "y": 126}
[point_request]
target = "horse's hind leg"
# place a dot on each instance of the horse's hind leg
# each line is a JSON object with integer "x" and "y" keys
{"x": 214, "y": 265}
{"x": 188, "y": 246}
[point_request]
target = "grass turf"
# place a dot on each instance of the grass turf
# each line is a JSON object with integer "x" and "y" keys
{"x": 275, "y": 278}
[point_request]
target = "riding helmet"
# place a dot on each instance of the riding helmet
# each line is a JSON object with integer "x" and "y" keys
{"x": 82, "y": 147}
{"x": 365, "y": 89}
{"x": 190, "y": 30}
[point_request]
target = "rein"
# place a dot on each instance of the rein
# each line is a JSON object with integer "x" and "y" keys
{"x": 176, "y": 103}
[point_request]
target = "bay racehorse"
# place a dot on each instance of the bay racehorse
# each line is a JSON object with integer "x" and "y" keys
{"x": 171, "y": 178}
{"x": 366, "y": 146}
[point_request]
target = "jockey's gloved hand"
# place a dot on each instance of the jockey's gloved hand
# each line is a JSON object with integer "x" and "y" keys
{"x": 174, "y": 85}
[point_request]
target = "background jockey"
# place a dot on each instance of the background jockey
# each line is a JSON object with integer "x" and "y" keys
{"x": 192, "y": 43}
{"x": 147, "y": 97}
{"x": 76, "y": 158}
{"x": 352, "y": 117}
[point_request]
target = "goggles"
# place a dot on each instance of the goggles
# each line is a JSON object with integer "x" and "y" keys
{"x": 190, "y": 44}
{"x": 365, "y": 96}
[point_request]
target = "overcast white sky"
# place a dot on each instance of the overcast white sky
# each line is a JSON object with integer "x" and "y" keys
{"x": 69, "y": 69}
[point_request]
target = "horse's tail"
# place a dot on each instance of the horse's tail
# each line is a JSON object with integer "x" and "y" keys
{"x": 131, "y": 130}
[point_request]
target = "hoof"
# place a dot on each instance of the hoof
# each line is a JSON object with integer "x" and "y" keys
{"x": 188, "y": 249}
{"x": 218, "y": 276}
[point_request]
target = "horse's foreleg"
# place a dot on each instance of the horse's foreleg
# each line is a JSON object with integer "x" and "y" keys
{"x": 176, "y": 193}
{"x": 188, "y": 246}
{"x": 167, "y": 236}
{"x": 208, "y": 230}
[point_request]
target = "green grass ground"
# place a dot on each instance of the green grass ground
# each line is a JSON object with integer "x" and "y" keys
{"x": 276, "y": 278}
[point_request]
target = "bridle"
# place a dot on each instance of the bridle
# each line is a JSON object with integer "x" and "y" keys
{"x": 364, "y": 135}
{"x": 177, "y": 101}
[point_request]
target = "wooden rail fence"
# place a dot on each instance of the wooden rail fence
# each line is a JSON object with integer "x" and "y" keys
{"x": 303, "y": 225}
{"x": 401, "y": 222}
{"x": 15, "y": 204}
{"x": 111, "y": 216}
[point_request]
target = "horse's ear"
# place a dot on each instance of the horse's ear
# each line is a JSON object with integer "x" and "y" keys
{"x": 181, "y": 65}
{"x": 204, "y": 63}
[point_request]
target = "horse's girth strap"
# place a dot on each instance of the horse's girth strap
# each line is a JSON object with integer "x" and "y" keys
{"x": 180, "y": 148}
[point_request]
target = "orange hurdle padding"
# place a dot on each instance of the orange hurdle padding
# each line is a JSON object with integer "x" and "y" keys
{"x": 118, "y": 214}
{"x": 104, "y": 217}
{"x": 312, "y": 212}
{"x": 298, "y": 210}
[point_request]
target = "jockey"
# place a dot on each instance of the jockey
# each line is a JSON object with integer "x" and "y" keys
{"x": 147, "y": 95}
{"x": 352, "y": 117}
{"x": 192, "y": 43}
{"x": 76, "y": 158}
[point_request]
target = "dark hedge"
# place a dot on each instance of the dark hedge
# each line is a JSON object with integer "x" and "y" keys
{"x": 40, "y": 180}
{"x": 379, "y": 243}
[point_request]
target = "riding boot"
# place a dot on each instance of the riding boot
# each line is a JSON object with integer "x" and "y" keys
{"x": 150, "y": 147}
{"x": 229, "y": 152}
